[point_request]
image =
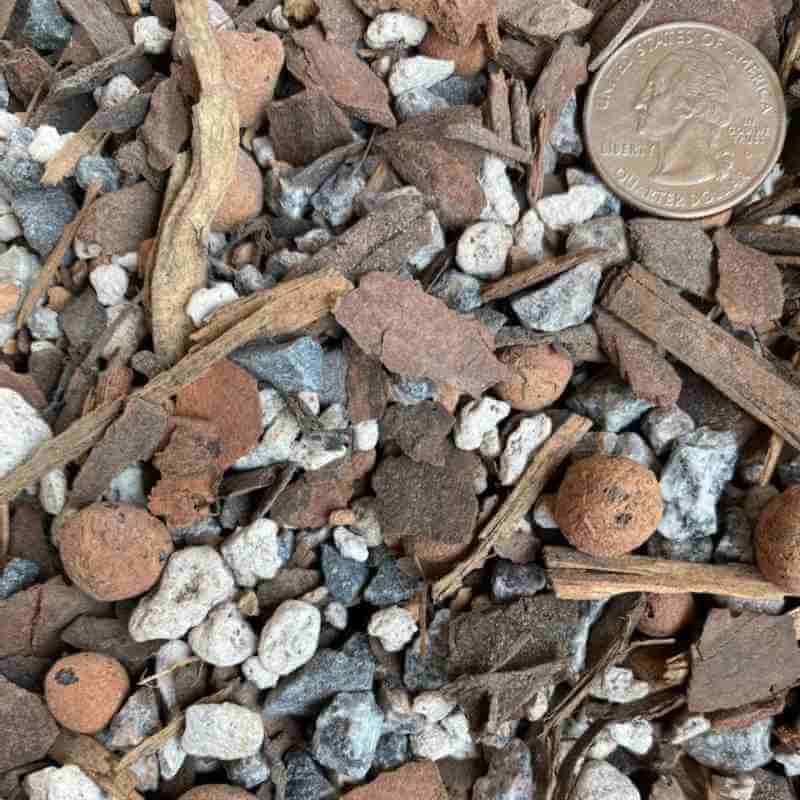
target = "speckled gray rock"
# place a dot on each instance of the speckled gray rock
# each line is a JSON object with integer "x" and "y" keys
{"x": 417, "y": 101}
{"x": 292, "y": 367}
{"x": 609, "y": 402}
{"x": 510, "y": 775}
{"x": 662, "y": 426}
{"x": 578, "y": 177}
{"x": 427, "y": 672}
{"x": 692, "y": 482}
{"x": 392, "y": 751}
{"x": 98, "y": 169}
{"x": 565, "y": 137}
{"x": 135, "y": 721}
{"x": 333, "y": 203}
{"x": 193, "y": 582}
{"x": 20, "y": 174}
{"x": 224, "y": 638}
{"x": 347, "y": 733}
{"x": 460, "y": 91}
{"x": 46, "y": 28}
{"x": 410, "y": 390}
{"x": 344, "y": 577}
{"x": 632, "y": 446}
{"x": 305, "y": 780}
{"x": 391, "y": 585}
{"x": 733, "y": 751}
{"x": 328, "y": 673}
{"x": 334, "y": 377}
{"x": 599, "y": 780}
{"x": 5, "y": 95}
{"x": 248, "y": 772}
{"x": 605, "y": 232}
{"x": 700, "y": 550}
{"x": 16, "y": 575}
{"x": 62, "y": 783}
{"x": 510, "y": 581}
{"x": 461, "y": 292}
{"x": 43, "y": 214}
{"x": 567, "y": 301}
{"x": 418, "y": 72}
{"x": 22, "y": 430}
{"x": 222, "y": 730}
{"x": 736, "y": 543}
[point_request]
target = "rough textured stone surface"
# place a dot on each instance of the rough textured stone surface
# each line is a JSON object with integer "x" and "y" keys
{"x": 482, "y": 249}
{"x": 222, "y": 730}
{"x": 290, "y": 637}
{"x": 693, "y": 480}
{"x": 733, "y": 751}
{"x": 511, "y": 581}
{"x": 428, "y": 672}
{"x": 252, "y": 552}
{"x": 292, "y": 367}
{"x": 194, "y": 581}
{"x": 510, "y": 775}
{"x": 27, "y": 729}
{"x": 599, "y": 780}
{"x": 328, "y": 673}
{"x": 662, "y": 426}
{"x": 418, "y": 72}
{"x": 419, "y": 780}
{"x": 43, "y": 214}
{"x": 224, "y": 638}
{"x": 344, "y": 577}
{"x": 391, "y": 584}
{"x": 304, "y": 779}
{"x": 608, "y": 401}
{"x": 137, "y": 719}
{"x": 17, "y": 574}
{"x": 22, "y": 430}
{"x": 567, "y": 301}
{"x": 347, "y": 734}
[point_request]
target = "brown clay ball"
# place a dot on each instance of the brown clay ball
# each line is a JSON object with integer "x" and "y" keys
{"x": 666, "y": 614}
{"x": 84, "y": 691}
{"x": 114, "y": 552}
{"x": 607, "y": 505}
{"x": 777, "y": 540}
{"x": 216, "y": 791}
{"x": 468, "y": 59}
{"x": 542, "y": 374}
{"x": 244, "y": 198}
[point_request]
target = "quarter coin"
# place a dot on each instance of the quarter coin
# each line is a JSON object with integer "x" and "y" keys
{"x": 685, "y": 120}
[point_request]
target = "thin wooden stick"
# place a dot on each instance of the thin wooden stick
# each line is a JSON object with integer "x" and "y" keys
{"x": 536, "y": 273}
{"x": 775, "y": 444}
{"x": 577, "y": 576}
{"x": 507, "y": 518}
{"x": 291, "y": 306}
{"x": 621, "y": 35}
{"x": 53, "y": 262}
{"x": 177, "y": 665}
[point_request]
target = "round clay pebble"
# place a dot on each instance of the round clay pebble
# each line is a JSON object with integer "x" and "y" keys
{"x": 251, "y": 63}
{"x": 216, "y": 791}
{"x": 84, "y": 691}
{"x": 114, "y": 552}
{"x": 469, "y": 59}
{"x": 542, "y": 374}
{"x": 244, "y": 198}
{"x": 666, "y": 614}
{"x": 777, "y": 540}
{"x": 607, "y": 506}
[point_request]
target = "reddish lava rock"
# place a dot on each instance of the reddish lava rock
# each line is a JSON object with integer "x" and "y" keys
{"x": 777, "y": 540}
{"x": 419, "y": 780}
{"x": 221, "y": 390}
{"x": 114, "y": 552}
{"x": 541, "y": 375}
{"x": 468, "y": 59}
{"x": 244, "y": 198}
{"x": 216, "y": 791}
{"x": 667, "y": 614}
{"x": 607, "y": 506}
{"x": 252, "y": 63}
{"x": 84, "y": 691}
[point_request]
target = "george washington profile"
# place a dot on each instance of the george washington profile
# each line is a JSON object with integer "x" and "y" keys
{"x": 684, "y": 107}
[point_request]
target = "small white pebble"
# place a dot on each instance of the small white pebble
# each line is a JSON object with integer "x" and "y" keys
{"x": 432, "y": 705}
{"x": 599, "y": 780}
{"x": 482, "y": 249}
{"x": 290, "y": 637}
{"x": 336, "y": 615}
{"x": 277, "y": 19}
{"x": 110, "y": 282}
{"x": 522, "y": 443}
{"x": 310, "y": 401}
{"x": 10, "y": 228}
{"x": 117, "y": 91}
{"x": 252, "y": 552}
{"x": 152, "y": 34}
{"x": 394, "y": 626}
{"x": 86, "y": 250}
{"x": 254, "y": 671}
{"x": 491, "y": 444}
{"x": 395, "y": 28}
{"x": 8, "y": 123}
{"x": 43, "y": 324}
{"x": 53, "y": 491}
{"x": 263, "y": 151}
{"x": 476, "y": 418}
{"x": 618, "y": 685}
{"x": 366, "y": 434}
{"x": 418, "y": 72}
{"x": 350, "y": 544}
{"x": 635, "y": 735}
{"x": 204, "y": 302}
{"x": 46, "y": 143}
